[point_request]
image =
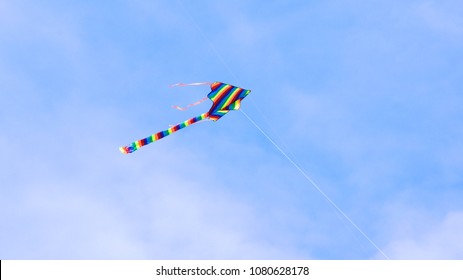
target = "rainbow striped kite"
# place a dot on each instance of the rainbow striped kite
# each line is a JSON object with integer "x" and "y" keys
{"x": 224, "y": 98}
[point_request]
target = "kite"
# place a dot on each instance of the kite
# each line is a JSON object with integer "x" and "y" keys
{"x": 224, "y": 98}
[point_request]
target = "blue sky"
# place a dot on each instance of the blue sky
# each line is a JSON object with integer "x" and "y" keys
{"x": 365, "y": 96}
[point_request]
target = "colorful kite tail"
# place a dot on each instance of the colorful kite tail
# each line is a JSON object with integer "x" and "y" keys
{"x": 161, "y": 134}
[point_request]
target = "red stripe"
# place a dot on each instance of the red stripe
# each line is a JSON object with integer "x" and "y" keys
{"x": 233, "y": 97}
{"x": 223, "y": 91}
{"x": 215, "y": 85}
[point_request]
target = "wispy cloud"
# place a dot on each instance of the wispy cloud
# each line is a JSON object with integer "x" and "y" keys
{"x": 365, "y": 99}
{"x": 417, "y": 236}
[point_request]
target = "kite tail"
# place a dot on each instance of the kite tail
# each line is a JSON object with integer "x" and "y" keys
{"x": 190, "y": 105}
{"x": 191, "y": 84}
{"x": 194, "y": 103}
{"x": 161, "y": 134}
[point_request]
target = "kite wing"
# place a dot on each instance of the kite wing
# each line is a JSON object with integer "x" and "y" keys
{"x": 224, "y": 98}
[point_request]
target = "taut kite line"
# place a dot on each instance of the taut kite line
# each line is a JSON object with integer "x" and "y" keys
{"x": 224, "y": 98}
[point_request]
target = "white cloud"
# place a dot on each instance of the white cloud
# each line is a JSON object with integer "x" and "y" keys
{"x": 74, "y": 196}
{"x": 71, "y": 194}
{"x": 429, "y": 238}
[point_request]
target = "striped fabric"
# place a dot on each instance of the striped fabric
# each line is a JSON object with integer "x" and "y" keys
{"x": 224, "y": 98}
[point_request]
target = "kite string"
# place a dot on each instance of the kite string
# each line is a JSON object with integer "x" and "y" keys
{"x": 304, "y": 174}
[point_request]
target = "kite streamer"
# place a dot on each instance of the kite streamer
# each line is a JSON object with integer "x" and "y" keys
{"x": 190, "y": 84}
{"x": 190, "y": 105}
{"x": 224, "y": 98}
